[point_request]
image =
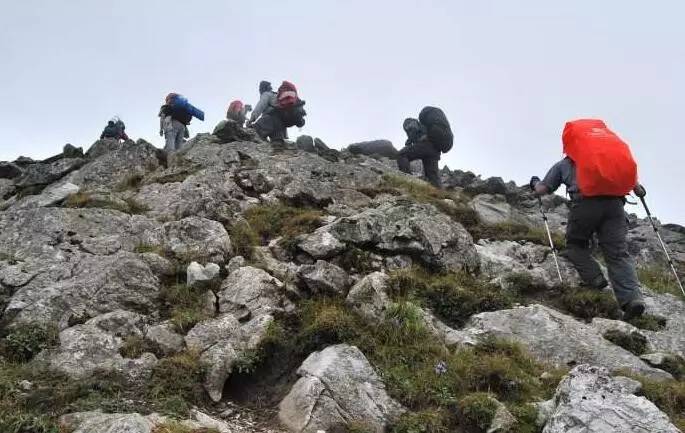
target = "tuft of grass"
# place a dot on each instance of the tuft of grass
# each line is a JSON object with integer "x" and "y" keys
{"x": 25, "y": 341}
{"x": 130, "y": 182}
{"x": 669, "y": 396}
{"x": 176, "y": 383}
{"x": 453, "y": 297}
{"x": 649, "y": 322}
{"x": 425, "y": 421}
{"x": 588, "y": 303}
{"x": 142, "y": 248}
{"x": 183, "y": 305}
{"x": 83, "y": 199}
{"x": 477, "y": 411}
{"x": 356, "y": 260}
{"x": 135, "y": 346}
{"x": 659, "y": 279}
{"x": 634, "y": 342}
{"x": 675, "y": 365}
{"x": 243, "y": 239}
{"x": 523, "y": 284}
{"x": 176, "y": 427}
{"x": 517, "y": 232}
{"x": 10, "y": 258}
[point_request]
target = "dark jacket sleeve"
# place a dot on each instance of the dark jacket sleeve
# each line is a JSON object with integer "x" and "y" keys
{"x": 554, "y": 177}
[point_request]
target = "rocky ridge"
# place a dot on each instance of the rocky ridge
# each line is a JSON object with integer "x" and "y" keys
{"x": 132, "y": 263}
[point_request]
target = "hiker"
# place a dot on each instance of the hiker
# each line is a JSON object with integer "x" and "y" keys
{"x": 277, "y": 111}
{"x": 174, "y": 117}
{"x": 427, "y": 137}
{"x": 237, "y": 111}
{"x": 115, "y": 129}
{"x": 598, "y": 171}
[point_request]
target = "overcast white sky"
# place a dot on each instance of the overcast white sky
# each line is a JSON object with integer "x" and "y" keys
{"x": 507, "y": 73}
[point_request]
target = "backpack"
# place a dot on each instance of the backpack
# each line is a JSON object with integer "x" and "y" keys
{"x": 287, "y": 95}
{"x": 604, "y": 163}
{"x": 180, "y": 104}
{"x": 236, "y": 107}
{"x": 437, "y": 128}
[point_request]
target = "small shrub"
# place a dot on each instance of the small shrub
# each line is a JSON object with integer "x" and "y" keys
{"x": 659, "y": 279}
{"x": 588, "y": 303}
{"x": 134, "y": 207}
{"x": 404, "y": 282}
{"x": 649, "y": 322}
{"x": 425, "y": 421}
{"x": 327, "y": 322}
{"x": 526, "y": 418}
{"x": 243, "y": 239}
{"x": 477, "y": 411}
{"x": 25, "y": 341}
{"x": 27, "y": 422}
{"x": 675, "y": 365}
{"x": 272, "y": 221}
{"x": 176, "y": 382}
{"x": 634, "y": 342}
{"x": 184, "y": 305}
{"x": 135, "y": 346}
{"x": 419, "y": 190}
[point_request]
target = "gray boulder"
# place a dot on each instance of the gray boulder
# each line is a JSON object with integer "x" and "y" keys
{"x": 250, "y": 291}
{"x": 198, "y": 275}
{"x": 50, "y": 196}
{"x": 228, "y": 131}
{"x": 165, "y": 338}
{"x": 590, "y": 400}
{"x": 337, "y": 386}
{"x": 46, "y": 173}
{"x": 368, "y": 297}
{"x": 557, "y": 339}
{"x": 325, "y": 278}
{"x": 409, "y": 228}
{"x": 306, "y": 143}
{"x": 193, "y": 238}
{"x": 321, "y": 245}
{"x": 374, "y": 147}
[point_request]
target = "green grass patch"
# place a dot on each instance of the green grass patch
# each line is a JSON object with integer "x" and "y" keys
{"x": 130, "y": 182}
{"x": 634, "y": 342}
{"x": 185, "y": 306}
{"x": 477, "y": 411}
{"x": 135, "y": 346}
{"x": 669, "y": 396}
{"x": 356, "y": 260}
{"x": 659, "y": 279}
{"x": 425, "y": 421}
{"x": 510, "y": 231}
{"x": 176, "y": 383}
{"x": 649, "y": 322}
{"x": 266, "y": 222}
{"x": 453, "y": 297}
{"x": 23, "y": 342}
{"x": 523, "y": 284}
{"x": 589, "y": 303}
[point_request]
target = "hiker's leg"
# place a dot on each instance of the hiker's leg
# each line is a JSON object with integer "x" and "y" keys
{"x": 180, "y": 134}
{"x": 405, "y": 157}
{"x": 432, "y": 171}
{"x": 582, "y": 222}
{"x": 170, "y": 139}
{"x": 612, "y": 240}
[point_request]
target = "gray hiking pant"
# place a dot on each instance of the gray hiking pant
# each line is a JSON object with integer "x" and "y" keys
{"x": 429, "y": 156}
{"x": 270, "y": 126}
{"x": 606, "y": 217}
{"x": 174, "y": 132}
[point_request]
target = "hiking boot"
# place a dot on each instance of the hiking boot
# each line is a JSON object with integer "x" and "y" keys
{"x": 633, "y": 309}
{"x": 598, "y": 283}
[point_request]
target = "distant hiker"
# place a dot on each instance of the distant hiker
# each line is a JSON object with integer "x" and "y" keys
{"x": 427, "y": 137}
{"x": 115, "y": 129}
{"x": 598, "y": 171}
{"x": 237, "y": 111}
{"x": 174, "y": 117}
{"x": 277, "y": 111}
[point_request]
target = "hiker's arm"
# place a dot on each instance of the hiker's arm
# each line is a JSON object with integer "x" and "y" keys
{"x": 640, "y": 190}
{"x": 551, "y": 182}
{"x": 261, "y": 106}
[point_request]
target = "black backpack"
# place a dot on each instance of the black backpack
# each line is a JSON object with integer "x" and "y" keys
{"x": 292, "y": 116}
{"x": 437, "y": 128}
{"x": 181, "y": 114}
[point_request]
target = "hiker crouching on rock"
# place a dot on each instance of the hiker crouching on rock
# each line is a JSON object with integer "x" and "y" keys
{"x": 115, "y": 129}
{"x": 277, "y": 111}
{"x": 237, "y": 112}
{"x": 598, "y": 172}
{"x": 427, "y": 137}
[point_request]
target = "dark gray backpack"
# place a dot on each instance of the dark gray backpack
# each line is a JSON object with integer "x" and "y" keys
{"x": 437, "y": 128}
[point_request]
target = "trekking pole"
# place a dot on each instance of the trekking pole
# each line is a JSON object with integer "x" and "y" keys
{"x": 663, "y": 245}
{"x": 551, "y": 242}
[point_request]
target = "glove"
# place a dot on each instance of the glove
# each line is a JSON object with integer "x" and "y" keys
{"x": 161, "y": 133}
{"x": 533, "y": 181}
{"x": 640, "y": 190}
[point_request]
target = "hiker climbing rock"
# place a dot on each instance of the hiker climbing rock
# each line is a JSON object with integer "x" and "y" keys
{"x": 427, "y": 137}
{"x": 115, "y": 129}
{"x": 277, "y": 111}
{"x": 174, "y": 117}
{"x": 598, "y": 171}
{"x": 237, "y": 111}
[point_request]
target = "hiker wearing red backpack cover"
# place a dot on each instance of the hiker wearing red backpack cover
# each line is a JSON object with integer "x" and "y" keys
{"x": 598, "y": 171}
{"x": 276, "y": 112}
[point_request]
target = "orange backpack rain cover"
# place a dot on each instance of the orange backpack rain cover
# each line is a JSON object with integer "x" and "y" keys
{"x": 604, "y": 163}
